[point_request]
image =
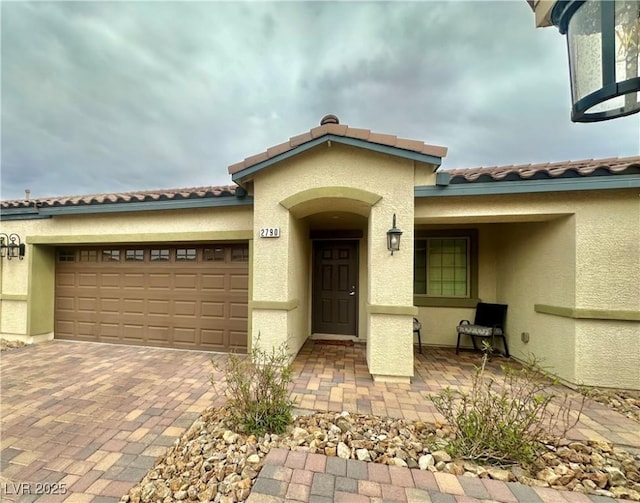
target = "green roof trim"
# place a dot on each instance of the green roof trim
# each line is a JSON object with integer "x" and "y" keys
{"x": 354, "y": 142}
{"x": 602, "y": 182}
{"x": 83, "y": 209}
{"x": 21, "y": 214}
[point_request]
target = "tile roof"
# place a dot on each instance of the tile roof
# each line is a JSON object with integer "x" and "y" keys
{"x": 566, "y": 169}
{"x": 122, "y": 197}
{"x": 330, "y": 125}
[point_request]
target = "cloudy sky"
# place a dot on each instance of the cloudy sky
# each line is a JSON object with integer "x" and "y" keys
{"x": 116, "y": 96}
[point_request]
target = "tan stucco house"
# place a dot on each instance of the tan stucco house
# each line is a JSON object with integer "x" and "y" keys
{"x": 297, "y": 247}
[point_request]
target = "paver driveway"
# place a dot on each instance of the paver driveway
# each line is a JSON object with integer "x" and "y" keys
{"x": 91, "y": 418}
{"x": 94, "y": 417}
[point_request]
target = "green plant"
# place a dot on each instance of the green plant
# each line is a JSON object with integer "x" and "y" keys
{"x": 506, "y": 421}
{"x": 257, "y": 389}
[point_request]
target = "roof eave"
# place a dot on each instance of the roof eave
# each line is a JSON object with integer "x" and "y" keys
{"x": 602, "y": 182}
{"x": 85, "y": 209}
{"x": 238, "y": 176}
{"x": 26, "y": 213}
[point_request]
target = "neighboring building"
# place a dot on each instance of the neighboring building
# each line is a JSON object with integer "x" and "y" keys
{"x": 299, "y": 247}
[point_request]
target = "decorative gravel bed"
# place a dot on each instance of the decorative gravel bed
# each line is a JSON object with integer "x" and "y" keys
{"x": 211, "y": 462}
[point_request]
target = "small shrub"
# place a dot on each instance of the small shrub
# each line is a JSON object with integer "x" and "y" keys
{"x": 507, "y": 421}
{"x": 257, "y": 389}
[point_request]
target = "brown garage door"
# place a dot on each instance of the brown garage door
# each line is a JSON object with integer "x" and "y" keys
{"x": 188, "y": 297}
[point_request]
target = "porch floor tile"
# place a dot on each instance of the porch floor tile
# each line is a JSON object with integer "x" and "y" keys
{"x": 328, "y": 367}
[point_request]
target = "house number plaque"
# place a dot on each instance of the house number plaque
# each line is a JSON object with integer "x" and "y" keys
{"x": 270, "y": 232}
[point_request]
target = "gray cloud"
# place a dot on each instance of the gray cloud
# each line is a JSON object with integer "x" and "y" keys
{"x": 109, "y": 96}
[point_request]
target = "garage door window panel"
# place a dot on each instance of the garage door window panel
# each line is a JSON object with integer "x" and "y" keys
{"x": 110, "y": 255}
{"x": 160, "y": 255}
{"x": 66, "y": 256}
{"x": 214, "y": 254}
{"x": 239, "y": 254}
{"x": 88, "y": 255}
{"x": 134, "y": 255}
{"x": 186, "y": 254}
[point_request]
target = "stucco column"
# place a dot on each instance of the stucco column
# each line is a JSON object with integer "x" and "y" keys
{"x": 390, "y": 300}
{"x": 270, "y": 303}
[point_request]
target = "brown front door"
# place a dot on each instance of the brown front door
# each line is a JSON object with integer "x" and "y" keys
{"x": 335, "y": 287}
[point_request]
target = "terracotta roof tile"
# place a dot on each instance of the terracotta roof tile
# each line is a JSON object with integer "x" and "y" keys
{"x": 434, "y": 150}
{"x": 563, "y": 169}
{"x": 383, "y": 139}
{"x": 257, "y": 158}
{"x": 318, "y": 131}
{"x": 279, "y": 149}
{"x": 409, "y": 144}
{"x": 294, "y": 141}
{"x": 236, "y": 167}
{"x": 122, "y": 197}
{"x": 333, "y": 127}
{"x": 587, "y": 167}
{"x": 360, "y": 134}
{"x": 337, "y": 129}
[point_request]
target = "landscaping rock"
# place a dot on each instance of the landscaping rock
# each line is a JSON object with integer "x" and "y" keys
{"x": 441, "y": 456}
{"x": 615, "y": 476}
{"x": 426, "y": 461}
{"x": 499, "y": 474}
{"x": 548, "y": 475}
{"x": 343, "y": 451}
{"x": 625, "y": 493}
{"x": 363, "y": 455}
{"x": 213, "y": 462}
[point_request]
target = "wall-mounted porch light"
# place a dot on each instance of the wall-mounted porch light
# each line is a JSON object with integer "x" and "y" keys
{"x": 393, "y": 237}
{"x": 11, "y": 247}
{"x": 603, "y": 40}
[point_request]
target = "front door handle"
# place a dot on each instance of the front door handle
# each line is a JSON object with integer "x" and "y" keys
{"x": 353, "y": 291}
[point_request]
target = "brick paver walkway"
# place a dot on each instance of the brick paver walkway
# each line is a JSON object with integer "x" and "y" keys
{"x": 94, "y": 417}
{"x": 294, "y": 476}
{"x": 90, "y": 419}
{"x": 335, "y": 378}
